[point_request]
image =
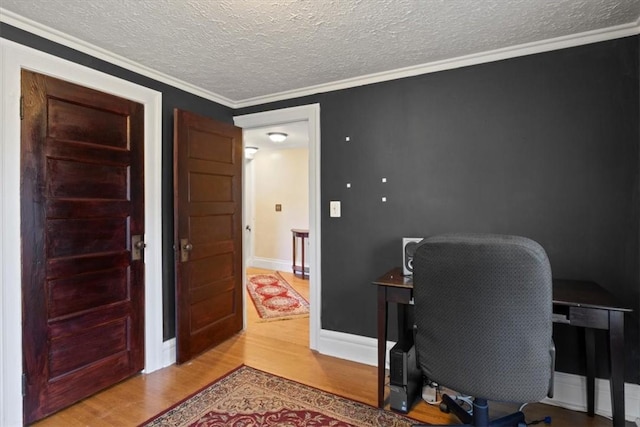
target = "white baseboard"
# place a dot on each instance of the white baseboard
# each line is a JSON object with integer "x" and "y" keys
{"x": 570, "y": 391}
{"x": 169, "y": 352}
{"x": 270, "y": 264}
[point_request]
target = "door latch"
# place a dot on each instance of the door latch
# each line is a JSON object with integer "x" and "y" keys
{"x": 137, "y": 246}
{"x": 185, "y": 248}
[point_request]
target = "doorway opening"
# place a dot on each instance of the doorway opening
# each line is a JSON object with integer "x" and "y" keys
{"x": 308, "y": 116}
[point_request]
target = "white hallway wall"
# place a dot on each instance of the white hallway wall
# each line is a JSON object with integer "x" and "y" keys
{"x": 280, "y": 177}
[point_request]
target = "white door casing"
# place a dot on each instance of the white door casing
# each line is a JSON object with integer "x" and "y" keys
{"x": 14, "y": 58}
{"x": 310, "y": 114}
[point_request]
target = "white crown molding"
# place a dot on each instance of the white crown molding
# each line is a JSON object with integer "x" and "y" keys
{"x": 573, "y": 40}
{"x": 64, "y": 39}
{"x": 459, "y": 62}
{"x": 431, "y": 67}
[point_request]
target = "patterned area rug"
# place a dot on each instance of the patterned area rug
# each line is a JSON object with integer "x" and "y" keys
{"x": 249, "y": 397}
{"x": 274, "y": 298}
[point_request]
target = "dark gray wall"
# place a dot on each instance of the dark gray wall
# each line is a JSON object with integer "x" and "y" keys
{"x": 171, "y": 98}
{"x": 545, "y": 146}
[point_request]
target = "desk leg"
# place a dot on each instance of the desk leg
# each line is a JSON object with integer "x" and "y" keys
{"x": 616, "y": 359}
{"x": 302, "y": 255}
{"x": 590, "y": 351}
{"x": 293, "y": 256}
{"x": 382, "y": 341}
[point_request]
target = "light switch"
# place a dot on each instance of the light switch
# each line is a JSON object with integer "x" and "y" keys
{"x": 334, "y": 209}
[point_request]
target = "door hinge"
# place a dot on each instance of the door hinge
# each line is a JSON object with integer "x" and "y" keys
{"x": 24, "y": 385}
{"x": 21, "y": 107}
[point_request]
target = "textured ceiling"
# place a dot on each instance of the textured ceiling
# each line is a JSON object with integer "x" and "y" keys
{"x": 243, "y": 49}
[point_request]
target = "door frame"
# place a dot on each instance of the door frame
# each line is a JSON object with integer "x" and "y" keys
{"x": 248, "y": 211}
{"x": 14, "y": 58}
{"x": 311, "y": 114}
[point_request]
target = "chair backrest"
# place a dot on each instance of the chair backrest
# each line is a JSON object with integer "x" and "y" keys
{"x": 483, "y": 307}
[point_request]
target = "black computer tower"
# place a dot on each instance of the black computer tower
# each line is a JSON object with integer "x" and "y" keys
{"x": 405, "y": 377}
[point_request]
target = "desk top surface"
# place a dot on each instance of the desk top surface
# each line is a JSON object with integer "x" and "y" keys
{"x": 576, "y": 293}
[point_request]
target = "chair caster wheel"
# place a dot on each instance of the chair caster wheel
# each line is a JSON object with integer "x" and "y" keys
{"x": 444, "y": 407}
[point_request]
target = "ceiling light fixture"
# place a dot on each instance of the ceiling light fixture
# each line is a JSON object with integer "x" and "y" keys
{"x": 277, "y": 136}
{"x": 249, "y": 152}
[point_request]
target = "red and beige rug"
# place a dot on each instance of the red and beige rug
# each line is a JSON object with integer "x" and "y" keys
{"x": 274, "y": 298}
{"x": 250, "y": 397}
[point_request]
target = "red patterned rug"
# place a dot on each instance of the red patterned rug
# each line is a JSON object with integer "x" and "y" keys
{"x": 249, "y": 397}
{"x": 274, "y": 298}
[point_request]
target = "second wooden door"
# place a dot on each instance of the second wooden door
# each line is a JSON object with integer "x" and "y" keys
{"x": 208, "y": 232}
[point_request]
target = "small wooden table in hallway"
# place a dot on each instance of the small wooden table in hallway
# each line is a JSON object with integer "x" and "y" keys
{"x": 302, "y": 235}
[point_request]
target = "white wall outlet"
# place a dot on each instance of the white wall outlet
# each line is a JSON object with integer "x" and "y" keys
{"x": 334, "y": 208}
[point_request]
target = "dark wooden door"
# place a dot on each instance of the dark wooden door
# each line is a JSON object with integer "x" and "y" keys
{"x": 208, "y": 225}
{"x": 81, "y": 203}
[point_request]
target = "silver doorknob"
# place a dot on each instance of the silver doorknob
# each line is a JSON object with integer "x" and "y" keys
{"x": 185, "y": 248}
{"x": 140, "y": 245}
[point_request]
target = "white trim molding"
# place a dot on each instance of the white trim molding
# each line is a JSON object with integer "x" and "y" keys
{"x": 64, "y": 39}
{"x": 16, "y": 57}
{"x": 310, "y": 114}
{"x": 270, "y": 264}
{"x": 169, "y": 352}
{"x": 563, "y": 42}
{"x": 570, "y": 391}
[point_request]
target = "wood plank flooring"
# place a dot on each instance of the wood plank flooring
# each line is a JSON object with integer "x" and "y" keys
{"x": 278, "y": 347}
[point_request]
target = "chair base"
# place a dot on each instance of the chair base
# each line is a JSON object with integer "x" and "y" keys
{"x": 480, "y": 415}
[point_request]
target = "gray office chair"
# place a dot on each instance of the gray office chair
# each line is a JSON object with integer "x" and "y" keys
{"x": 483, "y": 306}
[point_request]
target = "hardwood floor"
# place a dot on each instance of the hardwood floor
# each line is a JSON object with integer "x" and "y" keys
{"x": 278, "y": 347}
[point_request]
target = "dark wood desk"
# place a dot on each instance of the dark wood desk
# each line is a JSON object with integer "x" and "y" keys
{"x": 576, "y": 303}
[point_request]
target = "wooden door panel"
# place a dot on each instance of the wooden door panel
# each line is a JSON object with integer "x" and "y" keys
{"x": 76, "y": 237}
{"x": 74, "y": 179}
{"x": 97, "y": 209}
{"x": 82, "y": 200}
{"x": 210, "y": 188}
{"x": 69, "y": 352}
{"x": 65, "y": 388}
{"x": 208, "y": 214}
{"x": 209, "y": 290}
{"x": 104, "y": 262}
{"x": 207, "y": 270}
{"x": 85, "y": 291}
{"x": 210, "y": 146}
{"x": 218, "y": 227}
{"x": 213, "y": 208}
{"x": 202, "y": 315}
{"x": 108, "y": 128}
